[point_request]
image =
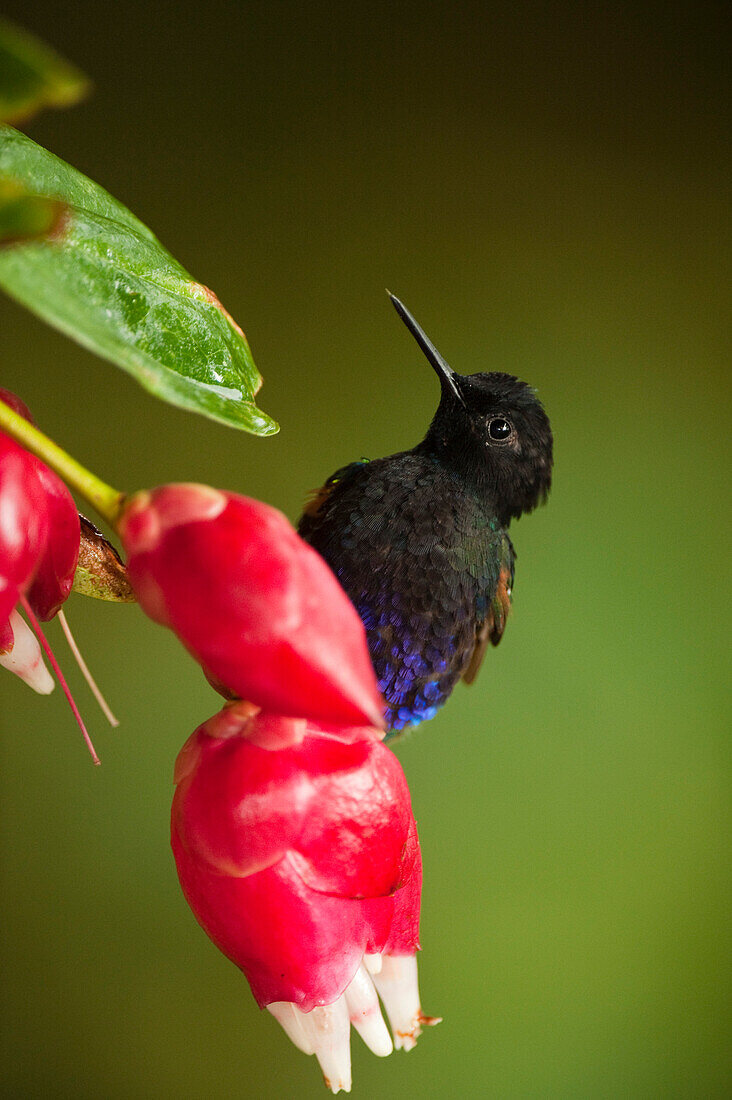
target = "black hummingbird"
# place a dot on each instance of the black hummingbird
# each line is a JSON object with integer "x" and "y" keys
{"x": 419, "y": 540}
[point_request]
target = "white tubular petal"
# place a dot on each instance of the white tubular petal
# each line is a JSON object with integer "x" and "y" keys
{"x": 398, "y": 989}
{"x": 290, "y": 1018}
{"x": 25, "y": 658}
{"x": 328, "y": 1029}
{"x": 325, "y": 1031}
{"x": 372, "y": 963}
{"x": 365, "y": 1013}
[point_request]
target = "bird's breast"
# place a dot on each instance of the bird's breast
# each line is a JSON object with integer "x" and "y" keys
{"x": 418, "y": 556}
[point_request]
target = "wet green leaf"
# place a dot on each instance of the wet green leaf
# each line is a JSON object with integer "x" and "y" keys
{"x": 24, "y": 216}
{"x": 33, "y": 76}
{"x": 107, "y": 282}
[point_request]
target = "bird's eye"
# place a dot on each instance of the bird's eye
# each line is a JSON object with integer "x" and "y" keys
{"x": 499, "y": 429}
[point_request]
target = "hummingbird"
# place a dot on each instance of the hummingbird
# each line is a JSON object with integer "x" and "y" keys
{"x": 419, "y": 540}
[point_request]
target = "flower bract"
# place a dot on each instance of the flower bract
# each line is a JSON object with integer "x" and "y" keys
{"x": 39, "y": 548}
{"x": 302, "y": 864}
{"x": 255, "y": 605}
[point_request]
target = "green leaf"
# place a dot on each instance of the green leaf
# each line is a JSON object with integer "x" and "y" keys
{"x": 108, "y": 283}
{"x": 33, "y": 76}
{"x": 24, "y": 216}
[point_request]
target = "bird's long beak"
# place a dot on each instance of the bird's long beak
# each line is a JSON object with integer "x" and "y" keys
{"x": 448, "y": 377}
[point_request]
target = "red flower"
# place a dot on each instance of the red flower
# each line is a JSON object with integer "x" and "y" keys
{"x": 54, "y": 576}
{"x": 24, "y": 523}
{"x": 39, "y": 549}
{"x": 258, "y": 608}
{"x": 302, "y": 864}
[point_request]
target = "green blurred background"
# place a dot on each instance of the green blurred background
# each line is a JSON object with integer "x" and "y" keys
{"x": 545, "y": 185}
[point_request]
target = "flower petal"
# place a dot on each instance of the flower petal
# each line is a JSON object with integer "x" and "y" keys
{"x": 290, "y": 1017}
{"x": 328, "y": 1030}
{"x": 399, "y": 990}
{"x": 55, "y": 573}
{"x": 25, "y": 658}
{"x": 255, "y": 605}
{"x": 365, "y": 1013}
{"x": 24, "y": 522}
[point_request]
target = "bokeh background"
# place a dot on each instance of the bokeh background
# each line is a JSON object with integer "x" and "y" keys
{"x": 546, "y": 186}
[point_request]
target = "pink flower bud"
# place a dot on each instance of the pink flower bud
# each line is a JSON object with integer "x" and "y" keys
{"x": 39, "y": 549}
{"x": 302, "y": 864}
{"x": 296, "y": 861}
{"x": 39, "y": 529}
{"x": 255, "y": 605}
{"x": 55, "y": 573}
{"x": 24, "y": 523}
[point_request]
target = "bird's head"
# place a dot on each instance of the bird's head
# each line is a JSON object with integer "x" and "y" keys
{"x": 490, "y": 428}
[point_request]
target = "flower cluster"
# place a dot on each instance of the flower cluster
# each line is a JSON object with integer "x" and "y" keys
{"x": 292, "y": 826}
{"x": 39, "y": 548}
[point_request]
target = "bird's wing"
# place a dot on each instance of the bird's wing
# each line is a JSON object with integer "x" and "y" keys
{"x": 312, "y": 510}
{"x": 492, "y": 627}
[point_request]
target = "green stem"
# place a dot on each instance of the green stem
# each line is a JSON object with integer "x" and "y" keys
{"x": 103, "y": 498}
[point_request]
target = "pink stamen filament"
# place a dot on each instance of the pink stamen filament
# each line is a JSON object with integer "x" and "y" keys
{"x": 104, "y": 705}
{"x": 60, "y": 676}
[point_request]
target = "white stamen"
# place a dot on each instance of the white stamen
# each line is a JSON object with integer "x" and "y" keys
{"x": 328, "y": 1029}
{"x": 60, "y": 677}
{"x": 25, "y": 658}
{"x": 365, "y": 1013}
{"x": 85, "y": 671}
{"x": 289, "y": 1017}
{"x": 398, "y": 988}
